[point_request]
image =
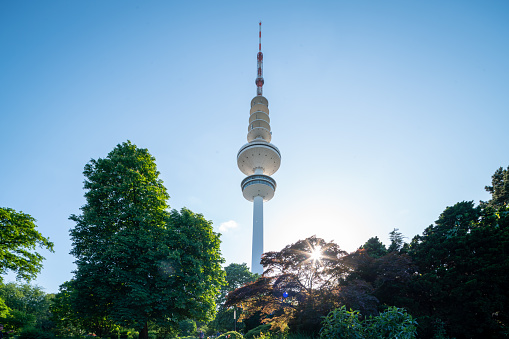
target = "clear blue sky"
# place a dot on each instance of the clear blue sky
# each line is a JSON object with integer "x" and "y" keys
{"x": 385, "y": 112}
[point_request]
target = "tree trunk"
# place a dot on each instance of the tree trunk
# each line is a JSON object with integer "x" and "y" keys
{"x": 144, "y": 332}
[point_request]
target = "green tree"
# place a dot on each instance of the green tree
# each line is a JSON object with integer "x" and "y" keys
{"x": 18, "y": 241}
{"x": 28, "y": 302}
{"x": 396, "y": 241}
{"x": 374, "y": 247}
{"x": 17, "y": 320}
{"x": 462, "y": 260}
{"x": 187, "y": 327}
{"x": 383, "y": 280}
{"x": 68, "y": 322}
{"x": 499, "y": 188}
{"x": 237, "y": 275}
{"x": 4, "y": 310}
{"x": 137, "y": 262}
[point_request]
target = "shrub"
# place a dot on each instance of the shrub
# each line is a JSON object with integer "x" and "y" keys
{"x": 35, "y": 333}
{"x": 298, "y": 335}
{"x": 272, "y": 335}
{"x": 255, "y": 332}
{"x": 231, "y": 335}
{"x": 17, "y": 319}
{"x": 392, "y": 323}
{"x": 342, "y": 324}
{"x": 152, "y": 334}
{"x": 187, "y": 327}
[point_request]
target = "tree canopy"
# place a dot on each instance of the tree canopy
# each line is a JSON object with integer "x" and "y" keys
{"x": 499, "y": 188}
{"x": 237, "y": 275}
{"x": 28, "y": 306}
{"x": 298, "y": 285}
{"x": 462, "y": 260}
{"x": 136, "y": 261}
{"x": 374, "y": 247}
{"x": 18, "y": 240}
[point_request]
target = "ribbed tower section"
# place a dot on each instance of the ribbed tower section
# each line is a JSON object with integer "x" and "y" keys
{"x": 258, "y": 159}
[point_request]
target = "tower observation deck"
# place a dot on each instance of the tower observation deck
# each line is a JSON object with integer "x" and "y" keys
{"x": 258, "y": 159}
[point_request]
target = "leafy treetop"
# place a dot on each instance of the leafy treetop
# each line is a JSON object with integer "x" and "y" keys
{"x": 136, "y": 261}
{"x": 18, "y": 240}
{"x": 500, "y": 187}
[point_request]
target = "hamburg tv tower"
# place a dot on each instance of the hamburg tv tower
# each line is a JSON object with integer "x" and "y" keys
{"x": 258, "y": 159}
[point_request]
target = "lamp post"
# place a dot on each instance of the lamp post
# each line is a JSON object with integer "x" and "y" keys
{"x": 235, "y": 319}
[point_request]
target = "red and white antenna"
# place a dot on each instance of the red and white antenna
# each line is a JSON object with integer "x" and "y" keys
{"x": 259, "y": 80}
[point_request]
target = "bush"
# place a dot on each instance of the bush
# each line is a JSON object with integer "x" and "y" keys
{"x": 298, "y": 335}
{"x": 257, "y": 331}
{"x": 16, "y": 320}
{"x": 187, "y": 327}
{"x": 342, "y": 324}
{"x": 231, "y": 335}
{"x": 152, "y": 334}
{"x": 392, "y": 323}
{"x": 35, "y": 333}
{"x": 271, "y": 335}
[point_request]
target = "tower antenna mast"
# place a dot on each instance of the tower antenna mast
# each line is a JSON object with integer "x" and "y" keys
{"x": 259, "y": 57}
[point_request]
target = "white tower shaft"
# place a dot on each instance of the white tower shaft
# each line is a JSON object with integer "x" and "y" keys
{"x": 257, "y": 246}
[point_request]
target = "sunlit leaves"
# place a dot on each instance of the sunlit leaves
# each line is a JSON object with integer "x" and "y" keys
{"x": 18, "y": 241}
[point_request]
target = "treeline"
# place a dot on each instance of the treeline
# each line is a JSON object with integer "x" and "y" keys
{"x": 452, "y": 278}
{"x": 146, "y": 270}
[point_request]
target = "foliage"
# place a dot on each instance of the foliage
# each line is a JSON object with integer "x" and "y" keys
{"x": 342, "y": 324}
{"x": 137, "y": 262}
{"x": 30, "y": 301}
{"x": 257, "y": 331}
{"x": 462, "y": 260}
{"x": 67, "y": 321}
{"x": 500, "y": 188}
{"x": 237, "y": 275}
{"x": 35, "y": 333}
{"x": 187, "y": 327}
{"x": 17, "y": 320}
{"x": 272, "y": 335}
{"x": 297, "y": 335}
{"x": 4, "y": 309}
{"x": 293, "y": 335}
{"x": 296, "y": 288}
{"x": 224, "y": 321}
{"x": 392, "y": 323}
{"x": 231, "y": 335}
{"x": 374, "y": 247}
{"x": 18, "y": 241}
{"x": 375, "y": 280}
{"x": 396, "y": 241}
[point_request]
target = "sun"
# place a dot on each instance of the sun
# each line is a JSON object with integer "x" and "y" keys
{"x": 316, "y": 254}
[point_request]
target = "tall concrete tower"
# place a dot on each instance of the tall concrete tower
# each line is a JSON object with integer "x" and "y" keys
{"x": 258, "y": 159}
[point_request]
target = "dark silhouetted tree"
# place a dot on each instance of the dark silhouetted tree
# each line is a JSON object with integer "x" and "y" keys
{"x": 462, "y": 260}
{"x": 374, "y": 248}
{"x": 499, "y": 188}
{"x": 299, "y": 285}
